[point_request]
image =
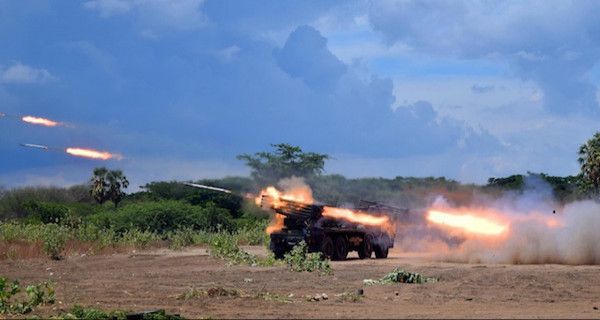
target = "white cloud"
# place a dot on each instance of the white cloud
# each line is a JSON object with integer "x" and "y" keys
{"x": 19, "y": 73}
{"x": 109, "y": 8}
{"x": 174, "y": 14}
{"x": 228, "y": 54}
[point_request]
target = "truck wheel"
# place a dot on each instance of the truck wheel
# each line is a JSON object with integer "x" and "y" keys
{"x": 327, "y": 247}
{"x": 279, "y": 253}
{"x": 341, "y": 248}
{"x": 366, "y": 247}
{"x": 381, "y": 252}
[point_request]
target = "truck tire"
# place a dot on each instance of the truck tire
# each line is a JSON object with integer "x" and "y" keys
{"x": 327, "y": 247}
{"x": 341, "y": 248}
{"x": 381, "y": 252}
{"x": 366, "y": 247}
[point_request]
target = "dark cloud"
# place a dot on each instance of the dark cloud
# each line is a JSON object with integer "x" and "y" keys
{"x": 305, "y": 55}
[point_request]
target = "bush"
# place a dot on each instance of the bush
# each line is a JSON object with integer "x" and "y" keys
{"x": 300, "y": 260}
{"x": 46, "y": 212}
{"x": 36, "y": 294}
{"x": 12, "y": 201}
{"x": 163, "y": 217}
{"x": 54, "y": 239}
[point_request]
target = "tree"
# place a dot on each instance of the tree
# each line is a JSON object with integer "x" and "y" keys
{"x": 285, "y": 161}
{"x": 107, "y": 185}
{"x": 589, "y": 160}
{"x": 116, "y": 182}
{"x": 98, "y": 185}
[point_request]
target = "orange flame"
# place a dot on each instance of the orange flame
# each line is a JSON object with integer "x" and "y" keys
{"x": 360, "y": 217}
{"x": 355, "y": 216}
{"x": 92, "y": 154}
{"x": 300, "y": 194}
{"x": 468, "y": 222}
{"x": 40, "y": 121}
{"x": 276, "y": 224}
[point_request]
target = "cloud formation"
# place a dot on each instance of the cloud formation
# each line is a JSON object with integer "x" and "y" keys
{"x": 19, "y": 73}
{"x": 554, "y": 44}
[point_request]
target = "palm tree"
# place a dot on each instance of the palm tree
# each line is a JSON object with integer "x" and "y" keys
{"x": 107, "y": 185}
{"x": 589, "y": 160}
{"x": 98, "y": 185}
{"x": 116, "y": 182}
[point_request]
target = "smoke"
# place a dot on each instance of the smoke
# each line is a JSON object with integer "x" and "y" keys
{"x": 576, "y": 241}
{"x": 540, "y": 231}
{"x": 296, "y": 185}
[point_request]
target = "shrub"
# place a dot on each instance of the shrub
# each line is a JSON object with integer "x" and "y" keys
{"x": 300, "y": 260}
{"x": 224, "y": 246}
{"x": 36, "y": 294}
{"x": 54, "y": 239}
{"x": 402, "y": 276}
{"x": 46, "y": 212}
{"x": 164, "y": 216}
{"x": 181, "y": 238}
{"x": 139, "y": 239}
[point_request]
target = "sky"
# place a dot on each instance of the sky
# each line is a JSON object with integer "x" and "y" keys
{"x": 463, "y": 89}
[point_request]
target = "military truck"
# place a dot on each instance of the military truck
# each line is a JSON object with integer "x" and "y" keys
{"x": 335, "y": 238}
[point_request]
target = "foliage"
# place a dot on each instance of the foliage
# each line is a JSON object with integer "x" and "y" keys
{"x": 47, "y": 212}
{"x": 224, "y": 246}
{"x": 300, "y": 260}
{"x": 400, "y": 276}
{"x": 54, "y": 241}
{"x": 164, "y": 216}
{"x": 285, "y": 161}
{"x": 36, "y": 294}
{"x": 181, "y": 238}
{"x": 80, "y": 312}
{"x": 589, "y": 160}
{"x": 107, "y": 185}
{"x": 174, "y": 190}
{"x": 13, "y": 202}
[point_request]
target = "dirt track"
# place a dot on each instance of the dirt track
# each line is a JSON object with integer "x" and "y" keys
{"x": 153, "y": 279}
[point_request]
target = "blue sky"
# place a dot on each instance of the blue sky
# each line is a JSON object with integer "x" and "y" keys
{"x": 466, "y": 90}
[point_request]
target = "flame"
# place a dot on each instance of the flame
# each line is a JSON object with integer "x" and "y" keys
{"x": 360, "y": 217}
{"x": 92, "y": 154}
{"x": 40, "y": 121}
{"x": 469, "y": 222}
{"x": 355, "y": 216}
{"x": 300, "y": 194}
{"x": 276, "y": 224}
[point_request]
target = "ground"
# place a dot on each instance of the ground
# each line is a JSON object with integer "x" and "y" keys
{"x": 153, "y": 279}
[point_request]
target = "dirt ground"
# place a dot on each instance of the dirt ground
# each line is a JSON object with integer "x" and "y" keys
{"x": 155, "y": 279}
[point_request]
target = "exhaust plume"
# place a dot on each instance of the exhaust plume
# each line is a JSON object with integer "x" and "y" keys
{"x": 92, "y": 154}
{"x": 40, "y": 121}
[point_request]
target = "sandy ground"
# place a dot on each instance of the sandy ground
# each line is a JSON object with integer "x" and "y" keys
{"x": 154, "y": 279}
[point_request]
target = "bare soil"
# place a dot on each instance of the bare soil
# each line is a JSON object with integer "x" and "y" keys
{"x": 157, "y": 278}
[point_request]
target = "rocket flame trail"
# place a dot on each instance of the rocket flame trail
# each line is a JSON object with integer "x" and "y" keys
{"x": 40, "y": 121}
{"x": 466, "y": 222}
{"x": 91, "y": 154}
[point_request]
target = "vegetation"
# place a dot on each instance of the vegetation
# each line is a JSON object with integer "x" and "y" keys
{"x": 300, "y": 260}
{"x": 108, "y": 185}
{"x": 399, "y": 275}
{"x": 285, "y": 161}
{"x": 80, "y": 312}
{"x": 589, "y": 159}
{"x": 35, "y": 295}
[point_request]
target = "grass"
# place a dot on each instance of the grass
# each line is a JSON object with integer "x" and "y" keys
{"x": 26, "y": 240}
